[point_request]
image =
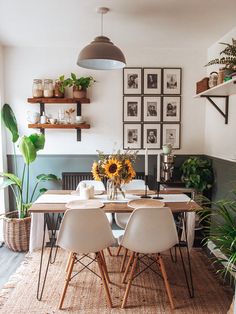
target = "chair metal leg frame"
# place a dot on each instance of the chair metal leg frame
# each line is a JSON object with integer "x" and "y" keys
{"x": 118, "y": 250}
{"x": 50, "y": 259}
{"x": 78, "y": 260}
{"x": 147, "y": 266}
{"x": 167, "y": 286}
{"x": 188, "y": 278}
{"x": 123, "y": 261}
{"x": 127, "y": 267}
{"x": 135, "y": 255}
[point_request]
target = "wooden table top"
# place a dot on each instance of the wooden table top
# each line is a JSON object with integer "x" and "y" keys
{"x": 176, "y": 207}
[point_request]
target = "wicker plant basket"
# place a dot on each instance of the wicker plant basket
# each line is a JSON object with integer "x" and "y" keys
{"x": 16, "y": 232}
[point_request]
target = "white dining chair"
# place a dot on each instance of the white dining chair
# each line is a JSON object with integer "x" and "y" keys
{"x": 99, "y": 186}
{"x": 121, "y": 219}
{"x": 149, "y": 231}
{"x": 85, "y": 231}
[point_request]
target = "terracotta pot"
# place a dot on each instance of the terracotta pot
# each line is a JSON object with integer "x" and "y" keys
{"x": 16, "y": 232}
{"x": 79, "y": 93}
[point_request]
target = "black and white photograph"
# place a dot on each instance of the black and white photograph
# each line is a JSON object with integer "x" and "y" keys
{"x": 171, "y": 109}
{"x": 152, "y": 81}
{"x": 152, "y": 135}
{"x": 132, "y": 80}
{"x": 132, "y": 109}
{"x": 172, "y": 81}
{"x": 151, "y": 109}
{"x": 132, "y": 136}
{"x": 171, "y": 135}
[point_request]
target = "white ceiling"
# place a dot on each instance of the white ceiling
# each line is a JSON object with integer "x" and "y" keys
{"x": 74, "y": 23}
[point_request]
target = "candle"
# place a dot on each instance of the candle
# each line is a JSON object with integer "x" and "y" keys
{"x": 146, "y": 162}
{"x": 84, "y": 193}
{"x": 158, "y": 167}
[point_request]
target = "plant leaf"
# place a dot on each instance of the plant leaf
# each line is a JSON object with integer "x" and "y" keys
{"x": 47, "y": 177}
{"x": 38, "y": 140}
{"x": 10, "y": 122}
{"x": 12, "y": 177}
{"x": 27, "y": 149}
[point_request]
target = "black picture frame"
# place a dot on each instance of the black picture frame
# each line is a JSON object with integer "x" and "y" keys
{"x": 132, "y": 81}
{"x": 172, "y": 81}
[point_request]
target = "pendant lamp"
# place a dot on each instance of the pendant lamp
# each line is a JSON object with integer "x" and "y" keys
{"x": 101, "y": 54}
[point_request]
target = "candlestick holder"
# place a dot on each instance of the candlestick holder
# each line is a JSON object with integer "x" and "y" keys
{"x": 146, "y": 188}
{"x": 158, "y": 197}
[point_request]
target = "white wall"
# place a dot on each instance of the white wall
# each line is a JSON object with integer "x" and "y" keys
{"x": 104, "y": 113}
{"x": 220, "y": 137}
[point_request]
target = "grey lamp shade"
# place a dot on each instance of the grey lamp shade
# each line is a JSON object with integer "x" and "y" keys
{"x": 101, "y": 54}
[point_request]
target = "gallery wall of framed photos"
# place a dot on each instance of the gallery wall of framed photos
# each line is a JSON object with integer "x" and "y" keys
{"x": 151, "y": 107}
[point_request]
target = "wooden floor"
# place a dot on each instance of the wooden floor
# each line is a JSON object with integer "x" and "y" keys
{"x": 9, "y": 262}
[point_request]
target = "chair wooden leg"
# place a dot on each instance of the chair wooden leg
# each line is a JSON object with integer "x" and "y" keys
{"x": 109, "y": 251}
{"x": 68, "y": 261}
{"x": 127, "y": 267}
{"x": 99, "y": 260}
{"x": 130, "y": 282}
{"x": 167, "y": 286}
{"x": 72, "y": 262}
{"x": 123, "y": 261}
{"x": 104, "y": 265}
{"x": 118, "y": 250}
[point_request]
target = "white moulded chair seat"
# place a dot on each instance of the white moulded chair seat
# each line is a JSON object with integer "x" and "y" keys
{"x": 99, "y": 186}
{"x": 85, "y": 231}
{"x": 149, "y": 231}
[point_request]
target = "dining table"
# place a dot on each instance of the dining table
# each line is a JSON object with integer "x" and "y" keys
{"x": 47, "y": 212}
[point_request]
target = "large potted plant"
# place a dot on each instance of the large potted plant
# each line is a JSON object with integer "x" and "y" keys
{"x": 197, "y": 173}
{"x": 220, "y": 228}
{"x": 80, "y": 85}
{"x": 16, "y": 224}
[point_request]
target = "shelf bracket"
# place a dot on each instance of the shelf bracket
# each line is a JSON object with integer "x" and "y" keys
{"x": 78, "y": 114}
{"x": 225, "y": 114}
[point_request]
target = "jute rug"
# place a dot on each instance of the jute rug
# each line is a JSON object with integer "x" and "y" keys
{"x": 86, "y": 295}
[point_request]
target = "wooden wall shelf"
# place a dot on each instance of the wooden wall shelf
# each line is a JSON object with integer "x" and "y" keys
{"x": 44, "y": 100}
{"x": 59, "y": 126}
{"x": 223, "y": 91}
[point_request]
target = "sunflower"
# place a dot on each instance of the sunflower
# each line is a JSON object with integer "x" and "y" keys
{"x": 112, "y": 167}
{"x": 130, "y": 172}
{"x": 95, "y": 172}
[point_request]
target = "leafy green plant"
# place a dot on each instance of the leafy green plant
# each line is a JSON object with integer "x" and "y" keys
{"x": 62, "y": 83}
{"x": 197, "y": 173}
{"x": 228, "y": 56}
{"x": 81, "y": 83}
{"x": 28, "y": 146}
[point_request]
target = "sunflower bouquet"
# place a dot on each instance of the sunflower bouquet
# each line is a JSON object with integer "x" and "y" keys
{"x": 117, "y": 168}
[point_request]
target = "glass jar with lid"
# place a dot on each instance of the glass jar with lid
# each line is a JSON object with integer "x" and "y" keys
{"x": 48, "y": 88}
{"x": 37, "y": 89}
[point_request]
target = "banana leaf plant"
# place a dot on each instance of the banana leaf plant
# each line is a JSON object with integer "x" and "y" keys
{"x": 28, "y": 146}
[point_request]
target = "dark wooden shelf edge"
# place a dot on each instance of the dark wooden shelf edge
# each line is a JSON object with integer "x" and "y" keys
{"x": 59, "y": 126}
{"x": 55, "y": 100}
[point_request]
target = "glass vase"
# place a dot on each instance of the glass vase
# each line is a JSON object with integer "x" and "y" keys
{"x": 114, "y": 190}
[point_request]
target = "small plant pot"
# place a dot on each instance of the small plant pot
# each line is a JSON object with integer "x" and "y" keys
{"x": 57, "y": 92}
{"x": 79, "y": 93}
{"x": 16, "y": 232}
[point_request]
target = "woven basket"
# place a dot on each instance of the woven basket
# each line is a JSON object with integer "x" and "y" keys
{"x": 16, "y": 232}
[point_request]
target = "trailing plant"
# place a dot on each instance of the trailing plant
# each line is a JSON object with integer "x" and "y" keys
{"x": 228, "y": 56}
{"x": 197, "y": 173}
{"x": 81, "y": 83}
{"x": 28, "y": 146}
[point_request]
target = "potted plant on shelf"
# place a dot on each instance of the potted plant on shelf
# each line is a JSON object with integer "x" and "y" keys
{"x": 60, "y": 85}
{"x": 227, "y": 58}
{"x": 16, "y": 224}
{"x": 80, "y": 85}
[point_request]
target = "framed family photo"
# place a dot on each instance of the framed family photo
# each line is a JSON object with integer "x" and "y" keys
{"x": 132, "y": 80}
{"x": 171, "y": 135}
{"x": 152, "y": 135}
{"x": 171, "y": 109}
{"x": 151, "y": 109}
{"x": 132, "y": 136}
{"x": 132, "y": 106}
{"x": 152, "y": 81}
{"x": 172, "y": 81}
